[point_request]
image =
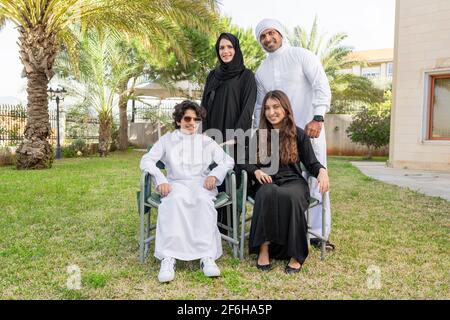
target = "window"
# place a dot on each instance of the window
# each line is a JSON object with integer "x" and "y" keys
{"x": 371, "y": 72}
{"x": 390, "y": 69}
{"x": 439, "y": 107}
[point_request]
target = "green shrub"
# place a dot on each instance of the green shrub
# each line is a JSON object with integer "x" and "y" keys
{"x": 7, "y": 156}
{"x": 79, "y": 145}
{"x": 371, "y": 126}
{"x": 68, "y": 152}
{"x": 77, "y": 148}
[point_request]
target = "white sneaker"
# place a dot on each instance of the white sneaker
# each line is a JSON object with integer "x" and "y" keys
{"x": 167, "y": 271}
{"x": 209, "y": 267}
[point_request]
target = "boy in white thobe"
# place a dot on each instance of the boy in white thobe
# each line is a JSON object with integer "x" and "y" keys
{"x": 187, "y": 219}
{"x": 298, "y": 73}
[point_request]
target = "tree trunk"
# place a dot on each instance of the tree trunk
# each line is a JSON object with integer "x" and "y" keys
{"x": 123, "y": 124}
{"x": 104, "y": 135}
{"x": 369, "y": 153}
{"x": 37, "y": 52}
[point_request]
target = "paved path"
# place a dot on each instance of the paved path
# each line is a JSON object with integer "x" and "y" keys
{"x": 431, "y": 183}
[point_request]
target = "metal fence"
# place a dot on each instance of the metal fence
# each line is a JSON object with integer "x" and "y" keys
{"x": 149, "y": 110}
{"x": 13, "y": 119}
{"x": 84, "y": 128}
{"x": 12, "y": 124}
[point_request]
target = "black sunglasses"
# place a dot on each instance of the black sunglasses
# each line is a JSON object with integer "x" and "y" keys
{"x": 189, "y": 119}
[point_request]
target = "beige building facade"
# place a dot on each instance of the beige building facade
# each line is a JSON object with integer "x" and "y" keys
{"x": 420, "y": 124}
{"x": 376, "y": 65}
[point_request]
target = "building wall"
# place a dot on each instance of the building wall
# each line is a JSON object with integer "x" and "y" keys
{"x": 422, "y": 38}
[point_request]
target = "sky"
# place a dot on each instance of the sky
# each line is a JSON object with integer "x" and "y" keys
{"x": 368, "y": 23}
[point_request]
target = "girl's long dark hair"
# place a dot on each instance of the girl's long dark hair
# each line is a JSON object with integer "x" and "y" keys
{"x": 288, "y": 130}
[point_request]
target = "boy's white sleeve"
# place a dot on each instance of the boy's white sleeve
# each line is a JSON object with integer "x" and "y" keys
{"x": 149, "y": 160}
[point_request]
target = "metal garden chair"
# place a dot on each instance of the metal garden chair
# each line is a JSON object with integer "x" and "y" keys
{"x": 148, "y": 199}
{"x": 245, "y": 199}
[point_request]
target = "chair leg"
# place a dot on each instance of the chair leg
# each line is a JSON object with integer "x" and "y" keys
{"x": 229, "y": 210}
{"x": 243, "y": 214}
{"x": 148, "y": 233}
{"x": 243, "y": 219}
{"x": 322, "y": 248}
{"x": 235, "y": 219}
{"x": 308, "y": 227}
{"x": 141, "y": 232}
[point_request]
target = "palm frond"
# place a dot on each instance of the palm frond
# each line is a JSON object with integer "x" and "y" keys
{"x": 2, "y": 21}
{"x": 312, "y": 36}
{"x": 69, "y": 41}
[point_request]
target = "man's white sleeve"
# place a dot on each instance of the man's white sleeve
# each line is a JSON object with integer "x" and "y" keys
{"x": 314, "y": 72}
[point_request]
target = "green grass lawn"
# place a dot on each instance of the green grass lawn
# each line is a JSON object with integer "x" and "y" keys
{"x": 83, "y": 212}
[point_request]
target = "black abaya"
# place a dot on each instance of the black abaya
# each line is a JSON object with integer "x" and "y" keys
{"x": 279, "y": 211}
{"x": 229, "y": 98}
{"x": 233, "y": 103}
{"x": 230, "y": 93}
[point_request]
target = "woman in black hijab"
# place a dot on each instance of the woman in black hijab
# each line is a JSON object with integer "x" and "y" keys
{"x": 230, "y": 91}
{"x": 229, "y": 96}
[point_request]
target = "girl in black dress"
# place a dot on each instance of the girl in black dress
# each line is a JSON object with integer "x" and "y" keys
{"x": 279, "y": 228}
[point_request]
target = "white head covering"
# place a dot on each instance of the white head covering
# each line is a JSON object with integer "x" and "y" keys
{"x": 270, "y": 24}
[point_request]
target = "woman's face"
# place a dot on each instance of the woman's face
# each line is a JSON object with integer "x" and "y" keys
{"x": 274, "y": 112}
{"x": 226, "y": 50}
{"x": 190, "y": 122}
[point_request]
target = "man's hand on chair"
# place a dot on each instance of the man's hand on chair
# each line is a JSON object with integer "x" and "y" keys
{"x": 164, "y": 189}
{"x": 322, "y": 179}
{"x": 210, "y": 182}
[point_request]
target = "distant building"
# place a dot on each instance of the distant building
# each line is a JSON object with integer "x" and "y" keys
{"x": 420, "y": 125}
{"x": 376, "y": 65}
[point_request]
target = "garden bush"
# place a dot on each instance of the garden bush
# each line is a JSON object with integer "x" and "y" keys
{"x": 371, "y": 126}
{"x": 7, "y": 156}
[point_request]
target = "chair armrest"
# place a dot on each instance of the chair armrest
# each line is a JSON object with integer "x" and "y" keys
{"x": 146, "y": 184}
{"x": 145, "y": 180}
{"x": 230, "y": 182}
{"x": 230, "y": 173}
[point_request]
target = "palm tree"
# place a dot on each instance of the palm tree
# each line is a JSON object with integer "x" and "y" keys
{"x": 46, "y": 25}
{"x": 106, "y": 63}
{"x": 102, "y": 75}
{"x": 345, "y": 88}
{"x": 331, "y": 51}
{"x": 204, "y": 57}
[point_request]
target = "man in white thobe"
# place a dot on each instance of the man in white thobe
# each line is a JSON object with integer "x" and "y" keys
{"x": 300, "y": 74}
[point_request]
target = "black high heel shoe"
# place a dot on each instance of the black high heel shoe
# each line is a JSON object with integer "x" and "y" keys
{"x": 264, "y": 267}
{"x": 290, "y": 270}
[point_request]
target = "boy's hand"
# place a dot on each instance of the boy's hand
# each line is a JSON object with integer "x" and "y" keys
{"x": 164, "y": 189}
{"x": 210, "y": 182}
